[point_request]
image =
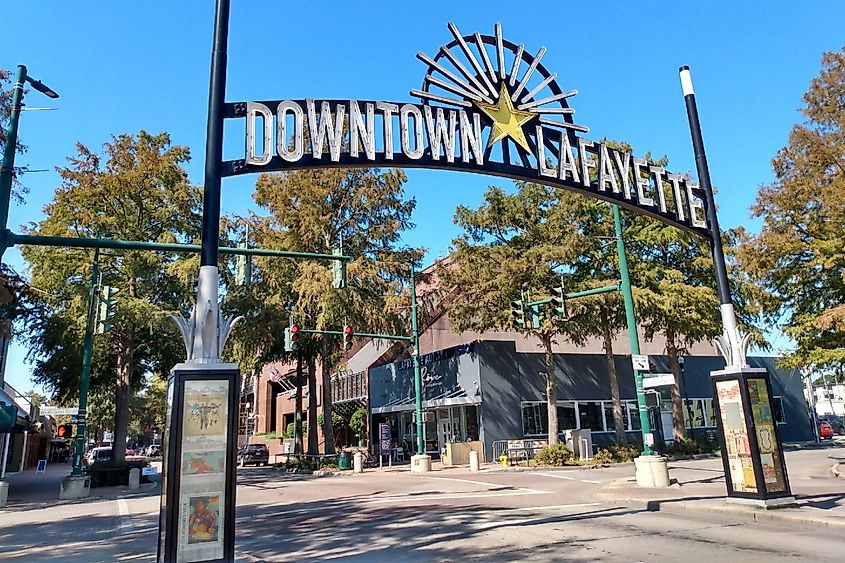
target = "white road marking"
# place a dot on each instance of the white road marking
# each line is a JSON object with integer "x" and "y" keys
{"x": 470, "y": 495}
{"x": 488, "y": 485}
{"x": 554, "y": 476}
{"x": 588, "y": 481}
{"x": 124, "y": 522}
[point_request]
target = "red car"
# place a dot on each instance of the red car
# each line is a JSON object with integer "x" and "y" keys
{"x": 825, "y": 430}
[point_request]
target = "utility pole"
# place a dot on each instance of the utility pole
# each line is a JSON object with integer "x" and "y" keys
{"x": 415, "y": 358}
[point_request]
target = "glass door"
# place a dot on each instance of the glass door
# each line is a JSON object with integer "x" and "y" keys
{"x": 444, "y": 429}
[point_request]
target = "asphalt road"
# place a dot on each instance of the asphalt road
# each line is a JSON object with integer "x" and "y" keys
{"x": 446, "y": 515}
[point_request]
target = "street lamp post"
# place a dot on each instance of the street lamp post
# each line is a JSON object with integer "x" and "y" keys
{"x": 420, "y": 462}
{"x": 7, "y": 171}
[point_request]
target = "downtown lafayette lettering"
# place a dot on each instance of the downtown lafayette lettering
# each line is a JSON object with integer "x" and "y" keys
{"x": 501, "y": 122}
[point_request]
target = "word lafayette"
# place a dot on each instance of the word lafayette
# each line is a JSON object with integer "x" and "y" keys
{"x": 292, "y": 134}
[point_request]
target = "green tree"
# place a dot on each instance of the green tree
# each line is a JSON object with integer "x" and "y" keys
{"x": 314, "y": 211}
{"x": 799, "y": 254}
{"x": 138, "y": 190}
{"x": 513, "y": 244}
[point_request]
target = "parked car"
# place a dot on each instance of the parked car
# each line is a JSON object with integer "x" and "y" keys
{"x": 255, "y": 454}
{"x": 98, "y": 455}
{"x": 825, "y": 429}
{"x": 129, "y": 452}
{"x": 835, "y": 421}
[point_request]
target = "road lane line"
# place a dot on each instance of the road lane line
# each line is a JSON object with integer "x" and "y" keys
{"x": 124, "y": 522}
{"x": 553, "y": 475}
{"x": 489, "y": 485}
{"x": 589, "y": 481}
{"x": 468, "y": 495}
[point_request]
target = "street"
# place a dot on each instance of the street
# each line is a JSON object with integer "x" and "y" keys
{"x": 446, "y": 515}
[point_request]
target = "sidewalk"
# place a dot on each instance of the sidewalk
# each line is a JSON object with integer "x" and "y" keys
{"x": 699, "y": 485}
{"x": 30, "y": 490}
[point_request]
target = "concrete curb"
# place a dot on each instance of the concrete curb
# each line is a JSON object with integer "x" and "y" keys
{"x": 314, "y": 473}
{"x": 625, "y": 491}
{"x": 772, "y": 516}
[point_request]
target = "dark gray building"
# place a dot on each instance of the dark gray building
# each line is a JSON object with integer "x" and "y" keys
{"x": 491, "y": 392}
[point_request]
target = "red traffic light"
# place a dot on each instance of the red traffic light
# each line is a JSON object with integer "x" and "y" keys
{"x": 294, "y": 329}
{"x": 347, "y": 329}
{"x": 347, "y": 337}
{"x": 65, "y": 430}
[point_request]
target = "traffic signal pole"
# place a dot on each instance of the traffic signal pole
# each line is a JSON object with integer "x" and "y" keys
{"x": 415, "y": 357}
{"x": 8, "y": 168}
{"x": 86, "y": 366}
{"x": 631, "y": 320}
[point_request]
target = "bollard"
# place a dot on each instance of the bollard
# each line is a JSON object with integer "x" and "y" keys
{"x": 4, "y": 492}
{"x": 473, "y": 460}
{"x": 134, "y": 478}
{"x": 358, "y": 462}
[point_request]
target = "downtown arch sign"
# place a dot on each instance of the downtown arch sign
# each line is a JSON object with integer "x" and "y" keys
{"x": 486, "y": 105}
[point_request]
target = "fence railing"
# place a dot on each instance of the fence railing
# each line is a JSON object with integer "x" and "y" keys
{"x": 523, "y": 449}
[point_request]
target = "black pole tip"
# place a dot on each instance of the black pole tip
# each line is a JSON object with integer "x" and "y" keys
{"x": 683, "y": 68}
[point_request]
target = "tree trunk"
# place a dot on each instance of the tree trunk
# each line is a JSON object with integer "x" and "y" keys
{"x": 125, "y": 359}
{"x": 678, "y": 429}
{"x": 325, "y": 377}
{"x": 618, "y": 415}
{"x": 297, "y": 416}
{"x": 551, "y": 386}
{"x": 313, "y": 447}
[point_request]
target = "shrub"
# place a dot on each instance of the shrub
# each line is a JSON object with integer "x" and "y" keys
{"x": 623, "y": 452}
{"x": 557, "y": 455}
{"x": 691, "y": 446}
{"x": 110, "y": 474}
{"x": 358, "y": 422}
{"x": 603, "y": 457}
{"x": 288, "y": 433}
{"x": 268, "y": 435}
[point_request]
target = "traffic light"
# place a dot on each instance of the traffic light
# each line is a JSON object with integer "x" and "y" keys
{"x": 243, "y": 267}
{"x": 292, "y": 338}
{"x": 518, "y": 312}
{"x": 347, "y": 337}
{"x": 65, "y": 431}
{"x": 559, "y": 302}
{"x": 338, "y": 269}
{"x": 105, "y": 309}
{"x": 8, "y": 414}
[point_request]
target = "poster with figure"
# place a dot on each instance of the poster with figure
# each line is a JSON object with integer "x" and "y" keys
{"x": 205, "y": 419}
{"x": 737, "y": 445}
{"x": 761, "y": 412}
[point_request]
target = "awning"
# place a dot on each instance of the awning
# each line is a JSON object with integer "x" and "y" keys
{"x": 450, "y": 398}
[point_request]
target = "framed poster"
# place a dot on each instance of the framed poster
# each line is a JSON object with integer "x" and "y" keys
{"x": 767, "y": 442}
{"x": 737, "y": 445}
{"x": 198, "y": 485}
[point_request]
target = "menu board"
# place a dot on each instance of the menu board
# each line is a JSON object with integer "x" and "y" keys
{"x": 202, "y": 470}
{"x": 737, "y": 445}
{"x": 767, "y": 443}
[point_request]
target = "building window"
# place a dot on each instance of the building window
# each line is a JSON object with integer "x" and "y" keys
{"x": 777, "y": 404}
{"x": 634, "y": 415}
{"x": 694, "y": 413}
{"x": 566, "y": 419}
{"x": 535, "y": 419}
{"x": 590, "y": 414}
{"x": 709, "y": 412}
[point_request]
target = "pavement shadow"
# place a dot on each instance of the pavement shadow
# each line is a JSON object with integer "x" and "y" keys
{"x": 322, "y": 530}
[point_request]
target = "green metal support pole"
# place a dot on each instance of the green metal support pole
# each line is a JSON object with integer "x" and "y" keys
{"x": 630, "y": 317}
{"x": 86, "y": 366}
{"x": 415, "y": 356}
{"x": 7, "y": 171}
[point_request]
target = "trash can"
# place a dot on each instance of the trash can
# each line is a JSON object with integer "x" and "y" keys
{"x": 343, "y": 461}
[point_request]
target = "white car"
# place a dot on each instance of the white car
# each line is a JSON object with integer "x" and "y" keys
{"x": 98, "y": 454}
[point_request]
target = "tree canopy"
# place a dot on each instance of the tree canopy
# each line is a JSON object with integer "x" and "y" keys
{"x": 799, "y": 254}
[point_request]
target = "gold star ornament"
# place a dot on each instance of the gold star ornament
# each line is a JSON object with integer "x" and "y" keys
{"x": 507, "y": 121}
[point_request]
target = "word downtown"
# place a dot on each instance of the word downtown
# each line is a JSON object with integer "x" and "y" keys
{"x": 346, "y": 133}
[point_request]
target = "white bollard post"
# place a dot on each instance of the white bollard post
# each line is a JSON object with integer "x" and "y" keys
{"x": 134, "y": 478}
{"x": 473, "y": 460}
{"x": 358, "y": 462}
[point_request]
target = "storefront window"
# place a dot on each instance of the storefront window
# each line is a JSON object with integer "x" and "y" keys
{"x": 566, "y": 419}
{"x": 709, "y": 412}
{"x": 591, "y": 416}
{"x": 535, "y": 418}
{"x": 634, "y": 414}
{"x": 471, "y": 421}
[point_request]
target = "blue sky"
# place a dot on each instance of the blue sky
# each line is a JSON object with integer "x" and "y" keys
{"x": 124, "y": 66}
